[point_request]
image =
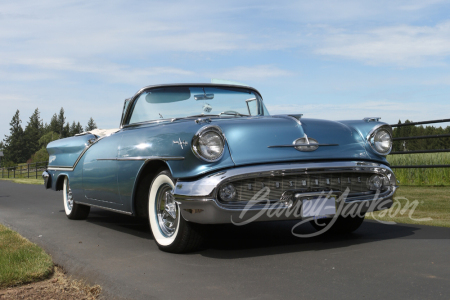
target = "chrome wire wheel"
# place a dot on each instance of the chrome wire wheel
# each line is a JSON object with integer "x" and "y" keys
{"x": 166, "y": 211}
{"x": 74, "y": 211}
{"x": 69, "y": 197}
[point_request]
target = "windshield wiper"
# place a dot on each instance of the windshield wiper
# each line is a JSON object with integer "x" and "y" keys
{"x": 194, "y": 116}
{"x": 233, "y": 113}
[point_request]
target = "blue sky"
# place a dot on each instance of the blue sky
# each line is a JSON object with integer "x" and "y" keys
{"x": 325, "y": 59}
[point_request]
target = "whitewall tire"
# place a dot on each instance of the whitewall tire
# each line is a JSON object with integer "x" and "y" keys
{"x": 74, "y": 211}
{"x": 171, "y": 232}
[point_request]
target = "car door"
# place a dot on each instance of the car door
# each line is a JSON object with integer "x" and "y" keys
{"x": 100, "y": 173}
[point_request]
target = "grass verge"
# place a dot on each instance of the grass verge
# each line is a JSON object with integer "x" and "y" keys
{"x": 20, "y": 260}
{"x": 39, "y": 181}
{"x": 413, "y": 204}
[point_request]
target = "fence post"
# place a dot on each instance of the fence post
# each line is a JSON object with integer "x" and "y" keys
{"x": 28, "y": 170}
{"x": 8, "y": 172}
{"x": 36, "y": 170}
{"x": 14, "y": 174}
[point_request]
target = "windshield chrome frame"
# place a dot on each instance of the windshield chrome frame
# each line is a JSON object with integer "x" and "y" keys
{"x": 125, "y": 120}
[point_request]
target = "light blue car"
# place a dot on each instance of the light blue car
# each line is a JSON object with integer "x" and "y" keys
{"x": 191, "y": 154}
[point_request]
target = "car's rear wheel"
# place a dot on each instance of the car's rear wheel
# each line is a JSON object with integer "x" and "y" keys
{"x": 342, "y": 225}
{"x": 171, "y": 232}
{"x": 74, "y": 211}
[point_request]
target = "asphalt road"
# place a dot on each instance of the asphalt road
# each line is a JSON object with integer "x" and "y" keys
{"x": 256, "y": 261}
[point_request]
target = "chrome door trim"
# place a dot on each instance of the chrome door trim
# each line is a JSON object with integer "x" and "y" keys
{"x": 144, "y": 158}
{"x": 106, "y": 208}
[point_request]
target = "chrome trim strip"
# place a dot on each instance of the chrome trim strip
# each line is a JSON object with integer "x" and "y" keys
{"x": 60, "y": 168}
{"x": 296, "y": 145}
{"x": 106, "y": 208}
{"x": 145, "y": 158}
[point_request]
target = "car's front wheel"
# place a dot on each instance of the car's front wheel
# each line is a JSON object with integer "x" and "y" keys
{"x": 171, "y": 232}
{"x": 74, "y": 211}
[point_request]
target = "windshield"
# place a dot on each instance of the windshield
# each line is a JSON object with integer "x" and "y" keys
{"x": 181, "y": 102}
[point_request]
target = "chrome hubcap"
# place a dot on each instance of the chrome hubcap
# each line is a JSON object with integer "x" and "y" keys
{"x": 166, "y": 211}
{"x": 69, "y": 197}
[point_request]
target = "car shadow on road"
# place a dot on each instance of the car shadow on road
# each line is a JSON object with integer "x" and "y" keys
{"x": 228, "y": 241}
{"x": 119, "y": 222}
{"x": 269, "y": 238}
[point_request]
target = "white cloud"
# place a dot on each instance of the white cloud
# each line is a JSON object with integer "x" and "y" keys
{"x": 251, "y": 73}
{"x": 397, "y": 45}
{"x": 389, "y": 111}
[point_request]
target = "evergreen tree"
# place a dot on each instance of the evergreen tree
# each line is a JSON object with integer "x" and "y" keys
{"x": 32, "y": 134}
{"x": 66, "y": 131}
{"x": 72, "y": 128}
{"x": 14, "y": 151}
{"x": 91, "y": 125}
{"x": 61, "y": 122}
{"x": 79, "y": 128}
{"x": 54, "y": 125}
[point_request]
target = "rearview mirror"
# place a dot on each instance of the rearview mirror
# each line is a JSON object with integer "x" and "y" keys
{"x": 204, "y": 96}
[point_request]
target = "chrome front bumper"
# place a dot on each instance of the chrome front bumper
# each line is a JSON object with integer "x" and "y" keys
{"x": 198, "y": 200}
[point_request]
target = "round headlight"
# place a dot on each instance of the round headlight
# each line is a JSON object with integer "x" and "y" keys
{"x": 208, "y": 144}
{"x": 381, "y": 141}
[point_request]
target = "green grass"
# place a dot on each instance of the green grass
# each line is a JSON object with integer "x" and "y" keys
{"x": 39, "y": 181}
{"x": 20, "y": 260}
{"x": 421, "y": 177}
{"x": 432, "y": 202}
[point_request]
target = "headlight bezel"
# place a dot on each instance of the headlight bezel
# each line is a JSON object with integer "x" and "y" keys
{"x": 196, "y": 139}
{"x": 374, "y": 132}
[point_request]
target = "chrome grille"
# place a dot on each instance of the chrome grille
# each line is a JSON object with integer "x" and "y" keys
{"x": 248, "y": 188}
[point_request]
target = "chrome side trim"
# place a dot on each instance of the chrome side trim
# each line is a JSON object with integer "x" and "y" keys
{"x": 296, "y": 145}
{"x": 144, "y": 158}
{"x": 106, "y": 208}
{"x": 60, "y": 168}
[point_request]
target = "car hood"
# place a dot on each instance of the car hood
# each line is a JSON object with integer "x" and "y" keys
{"x": 249, "y": 139}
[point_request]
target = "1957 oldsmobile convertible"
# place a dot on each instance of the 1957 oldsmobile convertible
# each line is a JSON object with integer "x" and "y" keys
{"x": 189, "y": 154}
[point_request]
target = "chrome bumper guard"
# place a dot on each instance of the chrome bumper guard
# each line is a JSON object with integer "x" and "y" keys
{"x": 198, "y": 200}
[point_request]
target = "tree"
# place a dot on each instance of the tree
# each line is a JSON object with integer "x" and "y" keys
{"x": 91, "y": 125}
{"x": 42, "y": 154}
{"x": 75, "y": 128}
{"x": 61, "y": 122}
{"x": 32, "y": 134}
{"x": 14, "y": 151}
{"x": 54, "y": 125}
{"x": 66, "y": 131}
{"x": 79, "y": 128}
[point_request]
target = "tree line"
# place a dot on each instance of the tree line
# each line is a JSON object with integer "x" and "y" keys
{"x": 29, "y": 144}
{"x": 420, "y": 144}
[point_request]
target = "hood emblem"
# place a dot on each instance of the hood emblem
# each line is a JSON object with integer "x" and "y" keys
{"x": 181, "y": 143}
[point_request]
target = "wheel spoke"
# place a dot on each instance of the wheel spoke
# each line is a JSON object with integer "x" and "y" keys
{"x": 167, "y": 211}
